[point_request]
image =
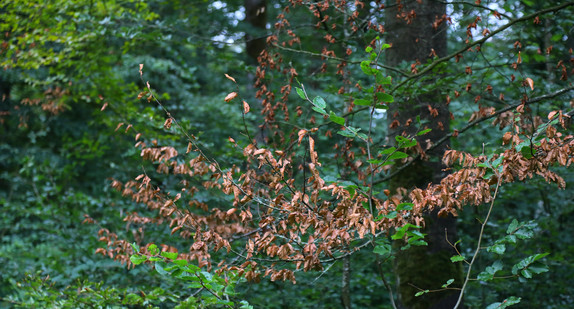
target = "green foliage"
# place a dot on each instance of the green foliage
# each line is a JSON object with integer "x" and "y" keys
{"x": 36, "y": 292}
{"x": 211, "y": 289}
{"x": 505, "y": 303}
{"x": 75, "y": 63}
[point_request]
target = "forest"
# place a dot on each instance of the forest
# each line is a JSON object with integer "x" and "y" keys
{"x": 404, "y": 154}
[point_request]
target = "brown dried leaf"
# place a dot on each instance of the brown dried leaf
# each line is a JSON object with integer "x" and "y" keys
{"x": 552, "y": 114}
{"x": 245, "y": 107}
{"x": 301, "y": 134}
{"x": 312, "y": 150}
{"x": 230, "y": 96}
{"x": 167, "y": 123}
{"x": 230, "y": 78}
{"x": 506, "y": 138}
{"x": 530, "y": 82}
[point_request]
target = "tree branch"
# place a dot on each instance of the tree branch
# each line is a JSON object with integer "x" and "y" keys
{"x": 338, "y": 59}
{"x": 477, "y": 121}
{"x": 479, "y": 42}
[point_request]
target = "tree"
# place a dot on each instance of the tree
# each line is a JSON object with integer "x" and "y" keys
{"x": 317, "y": 197}
{"x": 296, "y": 219}
{"x": 418, "y": 32}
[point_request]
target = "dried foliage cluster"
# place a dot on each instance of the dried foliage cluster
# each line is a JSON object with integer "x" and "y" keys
{"x": 282, "y": 215}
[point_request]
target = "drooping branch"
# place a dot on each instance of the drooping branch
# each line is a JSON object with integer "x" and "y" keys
{"x": 477, "y": 121}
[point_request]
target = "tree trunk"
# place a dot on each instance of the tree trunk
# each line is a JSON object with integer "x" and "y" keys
{"x": 256, "y": 16}
{"x": 409, "y": 27}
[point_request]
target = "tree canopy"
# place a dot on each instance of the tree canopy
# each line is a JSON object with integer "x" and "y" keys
{"x": 286, "y": 154}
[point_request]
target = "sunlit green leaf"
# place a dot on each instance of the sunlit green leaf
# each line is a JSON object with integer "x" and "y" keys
{"x": 336, "y": 119}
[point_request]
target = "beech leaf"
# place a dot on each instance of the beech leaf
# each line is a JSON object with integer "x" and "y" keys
{"x": 530, "y": 82}
{"x": 230, "y": 96}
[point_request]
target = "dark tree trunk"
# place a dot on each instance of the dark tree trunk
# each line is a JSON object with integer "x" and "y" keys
{"x": 256, "y": 16}
{"x": 409, "y": 27}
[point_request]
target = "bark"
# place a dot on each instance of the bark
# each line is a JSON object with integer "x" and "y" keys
{"x": 256, "y": 16}
{"x": 346, "y": 284}
{"x": 413, "y": 39}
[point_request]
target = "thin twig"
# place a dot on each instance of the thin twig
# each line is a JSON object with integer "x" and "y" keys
{"x": 479, "y": 242}
{"x": 339, "y": 59}
{"x": 387, "y": 285}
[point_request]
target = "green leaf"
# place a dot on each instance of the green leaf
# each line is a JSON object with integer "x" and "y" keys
{"x": 135, "y": 247}
{"x": 383, "y": 80}
{"x": 525, "y": 143}
{"x": 366, "y": 67}
{"x": 497, "y": 248}
{"x": 408, "y": 143}
{"x": 368, "y": 49}
{"x": 448, "y": 282}
{"x": 512, "y": 227}
{"x": 417, "y": 242}
{"x": 421, "y": 293}
{"x": 423, "y": 132}
{"x": 319, "y": 102}
{"x": 525, "y": 230}
{"x": 400, "y": 232}
{"x": 181, "y": 263}
{"x": 346, "y": 133}
{"x": 138, "y": 259}
{"x": 496, "y": 163}
{"x": 385, "y": 97}
{"x": 391, "y": 215}
{"x": 527, "y": 152}
{"x": 457, "y": 258}
{"x": 362, "y": 136}
{"x": 526, "y": 273}
{"x": 388, "y": 150}
{"x": 191, "y": 267}
{"x": 319, "y": 110}
{"x": 169, "y": 255}
{"x": 160, "y": 268}
{"x": 525, "y": 263}
{"x": 301, "y": 93}
{"x": 398, "y": 155}
{"x": 488, "y": 273}
{"x": 336, "y": 119}
{"x": 512, "y": 300}
{"x": 153, "y": 250}
{"x": 362, "y": 102}
{"x": 405, "y": 206}
{"x": 383, "y": 249}
{"x": 538, "y": 269}
{"x": 401, "y": 139}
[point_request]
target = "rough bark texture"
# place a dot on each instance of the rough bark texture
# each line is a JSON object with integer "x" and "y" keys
{"x": 409, "y": 25}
